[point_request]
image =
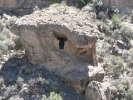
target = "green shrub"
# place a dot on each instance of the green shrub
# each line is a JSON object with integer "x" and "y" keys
{"x": 126, "y": 32}
{"x": 6, "y": 32}
{"x": 97, "y": 2}
{"x": 40, "y": 79}
{"x": 114, "y": 65}
{"x": 116, "y": 21}
{"x": 53, "y": 96}
{"x": 125, "y": 55}
{"x": 93, "y": 15}
{"x": 129, "y": 94}
{"x": 53, "y": 86}
{"x": 115, "y": 34}
{"x": 124, "y": 18}
{"x": 12, "y": 20}
{"x": 124, "y": 88}
{"x": 36, "y": 8}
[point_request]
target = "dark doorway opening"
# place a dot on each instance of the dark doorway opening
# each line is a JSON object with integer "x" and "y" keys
{"x": 62, "y": 42}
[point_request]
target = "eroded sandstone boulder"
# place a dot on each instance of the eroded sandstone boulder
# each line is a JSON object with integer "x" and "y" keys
{"x": 57, "y": 33}
{"x": 62, "y": 39}
{"x": 80, "y": 78}
{"x": 101, "y": 91}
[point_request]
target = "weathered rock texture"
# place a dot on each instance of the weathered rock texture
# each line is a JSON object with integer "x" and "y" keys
{"x": 10, "y": 3}
{"x": 63, "y": 40}
{"x": 101, "y": 91}
{"x": 30, "y": 3}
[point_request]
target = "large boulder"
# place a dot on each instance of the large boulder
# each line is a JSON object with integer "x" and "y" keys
{"x": 100, "y": 91}
{"x": 62, "y": 39}
{"x": 80, "y": 78}
{"x": 53, "y": 35}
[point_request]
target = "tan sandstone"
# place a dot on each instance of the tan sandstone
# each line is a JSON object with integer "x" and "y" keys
{"x": 101, "y": 91}
{"x": 1, "y": 3}
{"x": 62, "y": 39}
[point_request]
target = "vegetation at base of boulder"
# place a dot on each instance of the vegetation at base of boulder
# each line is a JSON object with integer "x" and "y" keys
{"x": 53, "y": 96}
{"x": 20, "y": 79}
{"x": 125, "y": 91}
{"x": 28, "y": 82}
{"x": 116, "y": 21}
{"x": 36, "y": 8}
{"x": 6, "y": 38}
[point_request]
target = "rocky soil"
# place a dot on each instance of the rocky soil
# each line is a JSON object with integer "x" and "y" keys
{"x": 20, "y": 81}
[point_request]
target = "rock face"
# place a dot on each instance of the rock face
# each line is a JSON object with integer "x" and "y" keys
{"x": 100, "y": 91}
{"x": 8, "y": 3}
{"x": 62, "y": 39}
{"x": 80, "y": 77}
{"x": 58, "y": 35}
{"x": 1, "y": 3}
{"x": 29, "y": 3}
{"x": 26, "y": 4}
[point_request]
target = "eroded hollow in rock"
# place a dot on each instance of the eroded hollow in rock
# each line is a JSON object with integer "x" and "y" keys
{"x": 61, "y": 42}
{"x": 61, "y": 38}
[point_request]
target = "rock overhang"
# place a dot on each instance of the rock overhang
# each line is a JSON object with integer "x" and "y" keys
{"x": 66, "y": 19}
